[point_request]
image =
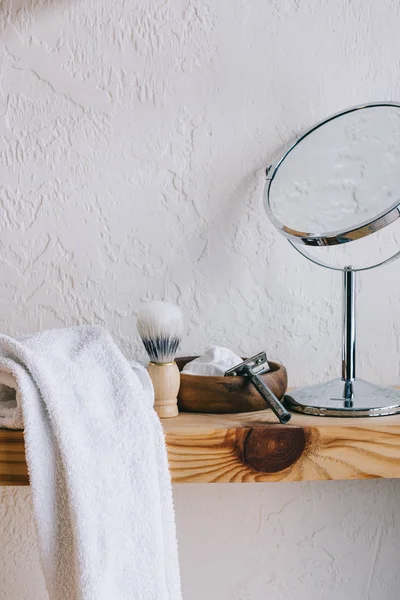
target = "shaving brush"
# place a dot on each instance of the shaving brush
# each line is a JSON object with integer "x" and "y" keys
{"x": 160, "y": 325}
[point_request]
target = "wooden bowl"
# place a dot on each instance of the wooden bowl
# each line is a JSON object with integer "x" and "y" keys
{"x": 208, "y": 394}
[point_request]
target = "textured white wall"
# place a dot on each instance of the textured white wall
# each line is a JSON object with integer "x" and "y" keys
{"x": 133, "y": 138}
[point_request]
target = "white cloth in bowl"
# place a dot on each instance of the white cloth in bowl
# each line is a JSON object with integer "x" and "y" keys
{"x": 215, "y": 362}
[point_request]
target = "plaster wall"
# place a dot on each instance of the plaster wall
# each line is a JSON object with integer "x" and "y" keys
{"x": 133, "y": 139}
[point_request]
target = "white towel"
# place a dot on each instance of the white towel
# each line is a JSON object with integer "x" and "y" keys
{"x": 216, "y": 361}
{"x": 97, "y": 463}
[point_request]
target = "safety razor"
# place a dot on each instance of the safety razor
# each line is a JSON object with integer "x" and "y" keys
{"x": 252, "y": 368}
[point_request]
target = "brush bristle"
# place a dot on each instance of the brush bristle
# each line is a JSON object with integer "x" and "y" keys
{"x": 160, "y": 325}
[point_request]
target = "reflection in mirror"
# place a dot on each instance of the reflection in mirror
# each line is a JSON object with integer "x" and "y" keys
{"x": 342, "y": 174}
{"x": 361, "y": 254}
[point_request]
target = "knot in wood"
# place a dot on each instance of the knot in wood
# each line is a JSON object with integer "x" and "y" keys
{"x": 272, "y": 449}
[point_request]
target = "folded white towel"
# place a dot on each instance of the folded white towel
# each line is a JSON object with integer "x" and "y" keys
{"x": 216, "y": 361}
{"x": 97, "y": 463}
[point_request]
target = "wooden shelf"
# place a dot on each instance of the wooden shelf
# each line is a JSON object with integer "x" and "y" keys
{"x": 253, "y": 447}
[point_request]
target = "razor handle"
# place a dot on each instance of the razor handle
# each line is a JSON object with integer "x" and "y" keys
{"x": 271, "y": 400}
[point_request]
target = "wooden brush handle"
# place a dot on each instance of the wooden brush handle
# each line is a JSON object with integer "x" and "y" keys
{"x": 166, "y": 380}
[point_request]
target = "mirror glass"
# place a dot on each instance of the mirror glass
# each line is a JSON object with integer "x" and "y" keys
{"x": 339, "y": 176}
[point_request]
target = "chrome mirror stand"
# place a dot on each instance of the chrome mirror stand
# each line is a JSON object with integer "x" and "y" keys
{"x": 348, "y": 396}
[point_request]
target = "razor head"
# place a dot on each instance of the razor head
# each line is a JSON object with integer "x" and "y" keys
{"x": 257, "y": 364}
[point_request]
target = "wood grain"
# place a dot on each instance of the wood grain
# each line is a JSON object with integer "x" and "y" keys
{"x": 13, "y": 469}
{"x": 253, "y": 447}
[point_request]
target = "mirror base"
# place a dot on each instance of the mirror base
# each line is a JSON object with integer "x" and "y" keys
{"x": 329, "y": 399}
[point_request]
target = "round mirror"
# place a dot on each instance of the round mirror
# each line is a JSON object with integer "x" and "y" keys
{"x": 340, "y": 181}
